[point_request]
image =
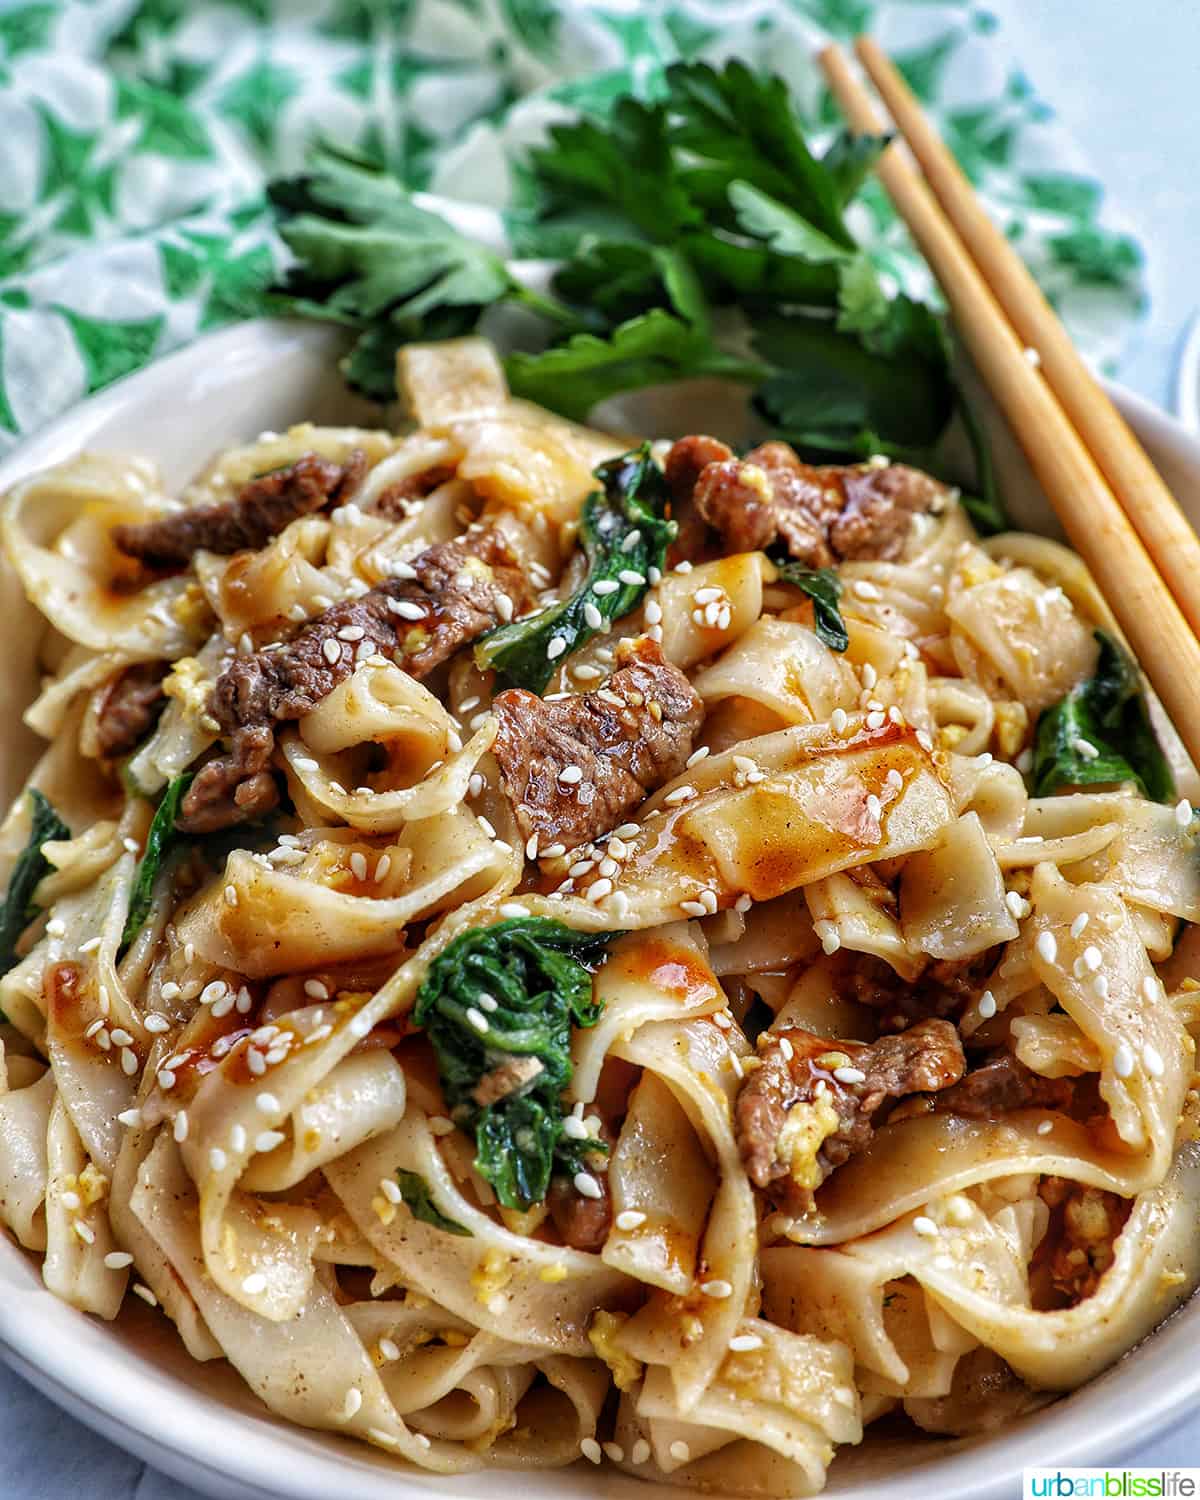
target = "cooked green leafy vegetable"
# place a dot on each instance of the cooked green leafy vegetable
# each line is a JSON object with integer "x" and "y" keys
{"x": 415, "y": 1192}
{"x": 159, "y": 843}
{"x": 695, "y": 234}
{"x": 824, "y": 588}
{"x": 1101, "y": 732}
{"x": 498, "y": 1006}
{"x": 624, "y": 536}
{"x": 19, "y": 907}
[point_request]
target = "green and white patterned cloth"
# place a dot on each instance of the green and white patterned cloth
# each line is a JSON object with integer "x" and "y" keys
{"x": 136, "y": 136}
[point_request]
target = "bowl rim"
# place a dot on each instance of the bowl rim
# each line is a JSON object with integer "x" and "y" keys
{"x": 97, "y": 1375}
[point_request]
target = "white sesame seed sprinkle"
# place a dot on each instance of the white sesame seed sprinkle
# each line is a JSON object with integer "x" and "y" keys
{"x": 145, "y": 1294}
{"x": 629, "y": 1220}
{"x": 478, "y": 1020}
{"x": 1045, "y": 1127}
{"x": 358, "y": 865}
{"x": 180, "y": 1128}
{"x": 130, "y": 1118}
{"x": 217, "y": 1159}
{"x": 680, "y": 1452}
{"x": 631, "y": 578}
{"x": 513, "y": 910}
{"x": 1079, "y": 925}
{"x": 849, "y": 1075}
{"x": 987, "y": 1005}
{"x": 1047, "y": 946}
{"x": 331, "y": 651}
{"x": 924, "y": 1225}
{"x": 1123, "y": 1060}
{"x": 587, "y": 1186}
{"x": 316, "y": 990}
{"x": 591, "y": 1450}
{"x": 255, "y": 1283}
{"x": 129, "y": 1062}
{"x": 117, "y": 1260}
{"x": 640, "y": 1451}
{"x": 718, "y": 1289}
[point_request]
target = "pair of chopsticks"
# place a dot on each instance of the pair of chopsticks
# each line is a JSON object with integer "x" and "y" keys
{"x": 1113, "y": 505}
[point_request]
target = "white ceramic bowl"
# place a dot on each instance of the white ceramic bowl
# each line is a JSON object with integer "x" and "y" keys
{"x": 132, "y": 1381}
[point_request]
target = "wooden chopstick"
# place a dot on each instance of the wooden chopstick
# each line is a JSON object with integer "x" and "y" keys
{"x": 1090, "y": 513}
{"x": 1135, "y": 481}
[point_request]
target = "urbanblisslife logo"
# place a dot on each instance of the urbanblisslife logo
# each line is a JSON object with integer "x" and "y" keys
{"x": 1110, "y": 1484}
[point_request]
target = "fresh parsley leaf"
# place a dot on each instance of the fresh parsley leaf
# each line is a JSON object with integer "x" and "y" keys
{"x": 824, "y": 588}
{"x": 19, "y": 908}
{"x": 160, "y": 842}
{"x": 832, "y": 393}
{"x": 616, "y": 178}
{"x": 850, "y": 159}
{"x": 782, "y": 228}
{"x": 741, "y": 124}
{"x": 574, "y": 377}
{"x": 539, "y": 974}
{"x": 419, "y": 1202}
{"x": 1108, "y": 713}
{"x": 623, "y": 533}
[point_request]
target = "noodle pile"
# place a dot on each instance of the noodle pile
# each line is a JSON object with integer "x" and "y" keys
{"x": 233, "y": 1113}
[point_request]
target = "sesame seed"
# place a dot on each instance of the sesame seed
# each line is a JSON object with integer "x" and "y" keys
{"x": 316, "y": 990}
{"x": 693, "y": 908}
{"x": 1092, "y": 958}
{"x": 1016, "y": 904}
{"x": 1149, "y": 989}
{"x": 237, "y": 1139}
{"x": 145, "y": 1294}
{"x": 587, "y": 1186}
{"x": 267, "y": 1104}
{"x": 849, "y": 1075}
{"x": 924, "y": 1225}
{"x": 631, "y": 577}
{"x": 599, "y": 889}
{"x": 592, "y": 616}
{"x": 256, "y": 1062}
{"x": 874, "y": 807}
{"x": 987, "y": 1005}
{"x": 680, "y": 1452}
{"x": 1045, "y": 1127}
{"x": 605, "y": 586}
{"x": 680, "y": 794}
{"x": 217, "y": 1159}
{"x": 331, "y": 651}
{"x": 640, "y": 1451}
{"x": 553, "y": 851}
{"x": 478, "y": 1020}
{"x": 213, "y": 992}
{"x": 837, "y": 720}
{"x": 742, "y": 1343}
{"x": 121, "y": 1037}
{"x": 1152, "y": 1058}
{"x": 90, "y": 946}
{"x": 1079, "y": 924}
{"x": 630, "y": 1219}
{"x": 1047, "y": 946}
{"x": 1123, "y": 1061}
{"x": 56, "y": 927}
{"x": 254, "y": 1283}
{"x": 387, "y": 1349}
{"x": 717, "y": 1289}
{"x": 1085, "y": 748}
{"x": 513, "y": 909}
{"x": 72, "y": 1202}
{"x": 117, "y": 1260}
{"x": 351, "y": 633}
{"x": 131, "y": 1118}
{"x": 615, "y": 1452}
{"x": 590, "y": 1449}
{"x": 865, "y": 590}
{"x": 571, "y": 775}
{"x": 358, "y": 865}
{"x": 267, "y": 1140}
{"x": 181, "y": 1125}
{"x": 130, "y": 846}
{"x": 129, "y": 1063}
{"x": 558, "y": 644}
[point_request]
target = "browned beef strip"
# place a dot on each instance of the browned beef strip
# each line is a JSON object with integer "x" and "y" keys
{"x": 582, "y": 1222}
{"x": 130, "y": 708}
{"x": 395, "y": 501}
{"x": 794, "y": 1065}
{"x": 1001, "y": 1084}
{"x": 945, "y": 989}
{"x": 417, "y": 622}
{"x": 234, "y": 788}
{"x": 261, "y": 511}
{"x": 625, "y": 749}
{"x": 824, "y": 515}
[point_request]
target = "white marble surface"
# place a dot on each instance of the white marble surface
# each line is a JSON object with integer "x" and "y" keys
{"x": 1125, "y": 80}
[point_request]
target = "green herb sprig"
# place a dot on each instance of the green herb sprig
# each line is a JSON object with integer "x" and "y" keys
{"x": 513, "y": 990}
{"x": 19, "y": 908}
{"x": 160, "y": 842}
{"x": 624, "y": 535}
{"x": 1101, "y": 732}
